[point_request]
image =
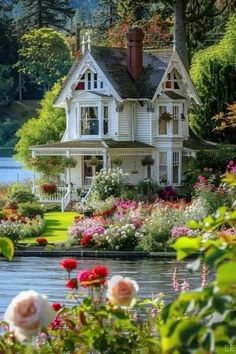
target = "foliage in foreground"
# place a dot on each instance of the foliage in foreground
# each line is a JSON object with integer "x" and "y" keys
{"x": 199, "y": 321}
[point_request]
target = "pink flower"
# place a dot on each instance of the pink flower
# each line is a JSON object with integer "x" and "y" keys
{"x": 121, "y": 290}
{"x": 184, "y": 286}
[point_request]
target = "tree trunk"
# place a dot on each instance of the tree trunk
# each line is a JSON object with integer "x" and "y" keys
{"x": 180, "y": 31}
{"x": 40, "y": 18}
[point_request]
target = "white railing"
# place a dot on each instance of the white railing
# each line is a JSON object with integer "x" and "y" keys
{"x": 66, "y": 199}
{"x": 51, "y": 198}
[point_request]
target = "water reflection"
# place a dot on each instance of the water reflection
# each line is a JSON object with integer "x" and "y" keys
{"x": 44, "y": 275}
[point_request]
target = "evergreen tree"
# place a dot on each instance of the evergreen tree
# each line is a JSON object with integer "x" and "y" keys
{"x": 45, "y": 13}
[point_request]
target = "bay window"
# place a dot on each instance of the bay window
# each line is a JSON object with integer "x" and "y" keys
{"x": 169, "y": 120}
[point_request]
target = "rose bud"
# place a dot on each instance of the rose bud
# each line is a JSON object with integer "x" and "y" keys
{"x": 56, "y": 306}
{"x": 72, "y": 283}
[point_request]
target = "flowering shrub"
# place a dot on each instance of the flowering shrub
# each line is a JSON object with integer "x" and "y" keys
{"x": 88, "y": 225}
{"x": 41, "y": 241}
{"x": 108, "y": 182}
{"x": 17, "y": 227}
{"x": 48, "y": 188}
{"x": 104, "y": 208}
{"x": 178, "y": 231}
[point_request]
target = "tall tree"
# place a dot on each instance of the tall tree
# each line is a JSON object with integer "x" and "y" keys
{"x": 44, "y": 55}
{"x": 186, "y": 12}
{"x": 45, "y": 13}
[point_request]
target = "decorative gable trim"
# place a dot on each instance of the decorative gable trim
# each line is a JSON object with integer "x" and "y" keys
{"x": 176, "y": 63}
{"x": 87, "y": 62}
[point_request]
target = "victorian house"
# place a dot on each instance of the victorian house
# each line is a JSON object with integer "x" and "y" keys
{"x": 129, "y": 106}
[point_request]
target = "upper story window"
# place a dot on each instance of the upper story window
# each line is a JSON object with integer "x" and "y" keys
{"x": 89, "y": 81}
{"x": 171, "y": 82}
{"x": 89, "y": 121}
{"x": 169, "y": 120}
{"x": 94, "y": 121}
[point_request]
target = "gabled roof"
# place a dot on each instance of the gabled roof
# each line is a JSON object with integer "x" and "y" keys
{"x": 112, "y": 62}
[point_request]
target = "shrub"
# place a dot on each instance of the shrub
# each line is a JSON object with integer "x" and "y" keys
{"x": 30, "y": 209}
{"x": 148, "y": 187}
{"x": 108, "y": 183}
{"x": 34, "y": 227}
{"x": 21, "y": 196}
{"x": 11, "y": 229}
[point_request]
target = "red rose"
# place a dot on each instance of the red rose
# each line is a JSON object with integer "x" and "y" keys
{"x": 100, "y": 271}
{"x": 68, "y": 263}
{"x": 85, "y": 276}
{"x": 56, "y": 306}
{"x": 72, "y": 283}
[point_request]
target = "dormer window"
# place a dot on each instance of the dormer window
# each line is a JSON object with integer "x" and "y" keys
{"x": 171, "y": 82}
{"x": 89, "y": 81}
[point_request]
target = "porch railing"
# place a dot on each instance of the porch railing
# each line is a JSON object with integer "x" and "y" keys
{"x": 66, "y": 199}
{"x": 51, "y": 198}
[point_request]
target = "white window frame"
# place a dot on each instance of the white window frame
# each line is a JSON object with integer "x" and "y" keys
{"x": 169, "y": 124}
{"x": 163, "y": 165}
{"x": 98, "y": 119}
{"x": 172, "y": 79}
{"x": 176, "y": 163}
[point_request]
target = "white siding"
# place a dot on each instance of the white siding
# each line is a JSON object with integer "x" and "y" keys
{"x": 132, "y": 165}
{"x": 113, "y": 120}
{"x": 142, "y": 132}
{"x": 124, "y": 123}
{"x": 72, "y": 120}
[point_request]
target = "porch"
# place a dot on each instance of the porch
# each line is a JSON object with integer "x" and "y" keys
{"x": 91, "y": 157}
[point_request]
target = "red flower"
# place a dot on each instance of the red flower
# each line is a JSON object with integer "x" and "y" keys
{"x": 68, "y": 263}
{"x": 100, "y": 271}
{"x": 56, "y": 306}
{"x": 90, "y": 277}
{"x": 72, "y": 283}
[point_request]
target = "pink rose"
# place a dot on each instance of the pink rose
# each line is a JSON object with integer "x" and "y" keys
{"x": 121, "y": 290}
{"x": 27, "y": 314}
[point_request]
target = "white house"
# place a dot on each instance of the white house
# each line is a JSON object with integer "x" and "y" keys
{"x": 129, "y": 104}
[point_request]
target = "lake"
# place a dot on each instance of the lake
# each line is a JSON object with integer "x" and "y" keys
{"x": 45, "y": 276}
{"x": 10, "y": 170}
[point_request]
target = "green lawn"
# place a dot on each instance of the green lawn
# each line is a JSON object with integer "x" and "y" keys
{"x": 57, "y": 224}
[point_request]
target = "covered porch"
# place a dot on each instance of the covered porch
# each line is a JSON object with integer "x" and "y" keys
{"x": 91, "y": 156}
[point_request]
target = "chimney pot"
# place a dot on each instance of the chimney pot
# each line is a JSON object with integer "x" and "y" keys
{"x": 134, "y": 51}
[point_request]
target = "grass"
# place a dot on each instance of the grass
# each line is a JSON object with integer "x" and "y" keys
{"x": 57, "y": 224}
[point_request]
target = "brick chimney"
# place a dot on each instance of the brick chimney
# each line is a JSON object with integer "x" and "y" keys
{"x": 134, "y": 51}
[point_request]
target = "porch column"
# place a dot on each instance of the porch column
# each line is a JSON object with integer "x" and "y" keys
{"x": 68, "y": 169}
{"x": 105, "y": 160}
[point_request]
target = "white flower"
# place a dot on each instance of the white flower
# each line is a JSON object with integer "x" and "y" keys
{"x": 121, "y": 291}
{"x": 27, "y": 314}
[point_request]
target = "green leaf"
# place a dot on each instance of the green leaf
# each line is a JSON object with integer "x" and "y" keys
{"x": 6, "y": 247}
{"x": 185, "y": 246}
{"x": 226, "y": 276}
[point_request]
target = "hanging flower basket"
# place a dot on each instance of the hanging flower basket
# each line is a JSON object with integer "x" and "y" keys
{"x": 116, "y": 161}
{"x": 147, "y": 161}
{"x": 48, "y": 188}
{"x": 166, "y": 116}
{"x": 92, "y": 162}
{"x": 70, "y": 162}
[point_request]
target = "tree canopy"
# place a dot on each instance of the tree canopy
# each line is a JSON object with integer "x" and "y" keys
{"x": 44, "y": 13}
{"x": 213, "y": 71}
{"x": 46, "y": 128}
{"x": 44, "y": 55}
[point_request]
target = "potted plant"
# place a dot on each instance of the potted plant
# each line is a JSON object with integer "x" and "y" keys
{"x": 147, "y": 161}
{"x": 48, "y": 188}
{"x": 116, "y": 161}
{"x": 166, "y": 116}
{"x": 93, "y": 161}
{"x": 69, "y": 162}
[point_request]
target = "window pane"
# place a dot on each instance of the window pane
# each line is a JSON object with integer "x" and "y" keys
{"x": 175, "y": 120}
{"x": 175, "y": 169}
{"x": 162, "y": 122}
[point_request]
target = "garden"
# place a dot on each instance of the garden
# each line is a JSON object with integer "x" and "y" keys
{"x": 111, "y": 318}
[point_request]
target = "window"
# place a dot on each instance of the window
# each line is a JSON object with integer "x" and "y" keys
{"x": 162, "y": 122}
{"x": 172, "y": 82}
{"x": 95, "y": 80}
{"x": 105, "y": 120}
{"x": 81, "y": 84}
{"x": 89, "y": 81}
{"x": 175, "y": 120}
{"x": 89, "y": 121}
{"x": 163, "y": 171}
{"x": 175, "y": 170}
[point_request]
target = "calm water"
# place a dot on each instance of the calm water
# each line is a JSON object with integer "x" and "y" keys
{"x": 45, "y": 276}
{"x": 11, "y": 171}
